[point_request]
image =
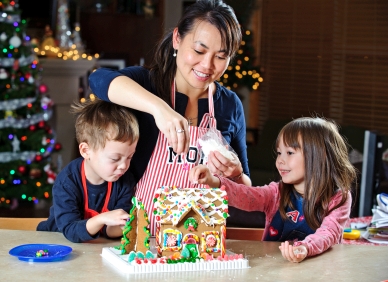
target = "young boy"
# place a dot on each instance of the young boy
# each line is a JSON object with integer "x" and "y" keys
{"x": 93, "y": 193}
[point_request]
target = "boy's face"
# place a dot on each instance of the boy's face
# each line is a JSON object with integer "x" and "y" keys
{"x": 108, "y": 163}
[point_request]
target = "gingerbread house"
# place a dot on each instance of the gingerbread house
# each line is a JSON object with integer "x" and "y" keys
{"x": 191, "y": 221}
{"x": 136, "y": 232}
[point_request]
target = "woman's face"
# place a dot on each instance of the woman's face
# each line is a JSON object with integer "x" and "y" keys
{"x": 201, "y": 58}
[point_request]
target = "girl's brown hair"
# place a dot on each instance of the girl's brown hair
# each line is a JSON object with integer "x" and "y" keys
{"x": 327, "y": 167}
{"x": 215, "y": 12}
{"x": 98, "y": 121}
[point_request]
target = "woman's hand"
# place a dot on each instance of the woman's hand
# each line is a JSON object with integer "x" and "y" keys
{"x": 291, "y": 253}
{"x": 124, "y": 91}
{"x": 201, "y": 174}
{"x": 174, "y": 127}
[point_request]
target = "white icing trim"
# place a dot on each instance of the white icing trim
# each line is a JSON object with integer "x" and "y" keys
{"x": 120, "y": 261}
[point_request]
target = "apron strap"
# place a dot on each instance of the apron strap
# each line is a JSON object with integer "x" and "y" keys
{"x": 208, "y": 117}
{"x": 85, "y": 189}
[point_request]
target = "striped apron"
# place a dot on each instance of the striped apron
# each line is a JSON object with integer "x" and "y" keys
{"x": 166, "y": 168}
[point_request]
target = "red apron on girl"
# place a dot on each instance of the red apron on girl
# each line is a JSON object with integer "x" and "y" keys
{"x": 165, "y": 168}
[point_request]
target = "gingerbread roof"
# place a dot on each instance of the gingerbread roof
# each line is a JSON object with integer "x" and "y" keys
{"x": 171, "y": 204}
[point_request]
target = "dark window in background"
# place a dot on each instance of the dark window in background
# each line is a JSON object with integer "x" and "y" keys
{"x": 44, "y": 12}
{"x": 38, "y": 13}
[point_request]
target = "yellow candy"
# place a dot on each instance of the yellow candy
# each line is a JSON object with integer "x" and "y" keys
{"x": 351, "y": 234}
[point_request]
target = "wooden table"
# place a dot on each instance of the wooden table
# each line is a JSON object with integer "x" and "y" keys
{"x": 341, "y": 263}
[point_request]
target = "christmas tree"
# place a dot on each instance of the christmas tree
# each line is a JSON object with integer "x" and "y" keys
{"x": 26, "y": 139}
{"x": 242, "y": 71}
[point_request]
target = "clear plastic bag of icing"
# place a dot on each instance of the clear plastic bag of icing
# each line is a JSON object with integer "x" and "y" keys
{"x": 214, "y": 141}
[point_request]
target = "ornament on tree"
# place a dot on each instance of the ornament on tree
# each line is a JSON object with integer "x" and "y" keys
{"x": 41, "y": 124}
{"x": 15, "y": 41}
{"x": 8, "y": 114}
{"x": 46, "y": 103}
{"x": 51, "y": 175}
{"x": 57, "y": 147}
{"x": 15, "y": 144}
{"x": 15, "y": 65}
{"x": 10, "y": 8}
{"x": 35, "y": 173}
{"x": 22, "y": 169}
{"x": 43, "y": 88}
{"x": 3, "y": 74}
{"x": 3, "y": 36}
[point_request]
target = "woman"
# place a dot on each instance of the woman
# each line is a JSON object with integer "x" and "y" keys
{"x": 178, "y": 99}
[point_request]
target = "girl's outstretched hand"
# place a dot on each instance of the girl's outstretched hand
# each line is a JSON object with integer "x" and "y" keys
{"x": 220, "y": 165}
{"x": 291, "y": 253}
{"x": 232, "y": 169}
{"x": 201, "y": 174}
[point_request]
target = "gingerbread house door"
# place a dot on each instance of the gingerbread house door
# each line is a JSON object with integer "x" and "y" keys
{"x": 190, "y": 244}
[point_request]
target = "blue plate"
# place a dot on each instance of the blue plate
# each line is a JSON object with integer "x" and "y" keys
{"x": 28, "y": 252}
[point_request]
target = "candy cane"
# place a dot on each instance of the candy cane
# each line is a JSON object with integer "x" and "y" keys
{"x": 157, "y": 236}
{"x": 223, "y": 240}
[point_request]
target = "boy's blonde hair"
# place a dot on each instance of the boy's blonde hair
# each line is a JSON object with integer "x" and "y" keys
{"x": 98, "y": 121}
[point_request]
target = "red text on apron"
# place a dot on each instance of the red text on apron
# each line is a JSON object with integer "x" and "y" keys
{"x": 89, "y": 213}
{"x": 165, "y": 168}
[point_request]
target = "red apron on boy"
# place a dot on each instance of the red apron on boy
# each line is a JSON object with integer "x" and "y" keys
{"x": 89, "y": 213}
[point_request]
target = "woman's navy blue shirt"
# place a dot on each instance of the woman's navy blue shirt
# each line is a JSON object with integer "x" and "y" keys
{"x": 228, "y": 111}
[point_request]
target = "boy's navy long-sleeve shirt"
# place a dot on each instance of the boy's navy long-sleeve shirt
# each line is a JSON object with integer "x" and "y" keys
{"x": 67, "y": 211}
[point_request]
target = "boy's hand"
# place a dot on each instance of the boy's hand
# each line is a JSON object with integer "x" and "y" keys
{"x": 114, "y": 218}
{"x": 291, "y": 253}
{"x": 200, "y": 174}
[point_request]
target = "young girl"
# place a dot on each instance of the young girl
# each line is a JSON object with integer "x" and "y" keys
{"x": 308, "y": 209}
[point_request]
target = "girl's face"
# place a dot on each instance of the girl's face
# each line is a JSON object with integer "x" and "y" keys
{"x": 290, "y": 164}
{"x": 200, "y": 59}
{"x": 108, "y": 163}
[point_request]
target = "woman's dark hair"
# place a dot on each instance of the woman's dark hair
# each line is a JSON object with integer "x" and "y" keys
{"x": 215, "y": 12}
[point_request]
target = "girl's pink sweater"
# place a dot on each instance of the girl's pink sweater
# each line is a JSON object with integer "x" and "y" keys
{"x": 266, "y": 199}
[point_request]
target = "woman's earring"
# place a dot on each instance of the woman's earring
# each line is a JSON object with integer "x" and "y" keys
{"x": 174, "y": 54}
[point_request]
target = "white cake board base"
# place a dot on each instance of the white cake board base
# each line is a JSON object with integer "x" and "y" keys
{"x": 114, "y": 256}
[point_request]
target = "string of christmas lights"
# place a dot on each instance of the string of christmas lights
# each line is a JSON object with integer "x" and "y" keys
{"x": 67, "y": 45}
